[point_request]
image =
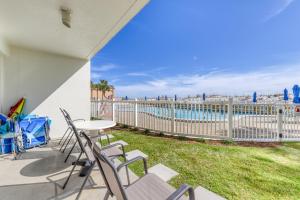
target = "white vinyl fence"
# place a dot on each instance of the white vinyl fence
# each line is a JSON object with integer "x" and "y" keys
{"x": 219, "y": 120}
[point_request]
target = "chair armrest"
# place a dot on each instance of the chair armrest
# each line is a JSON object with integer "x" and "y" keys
{"x": 107, "y": 137}
{"x": 115, "y": 145}
{"x": 132, "y": 161}
{"x": 100, "y": 136}
{"x": 80, "y": 133}
{"x": 180, "y": 192}
{"x": 112, "y": 145}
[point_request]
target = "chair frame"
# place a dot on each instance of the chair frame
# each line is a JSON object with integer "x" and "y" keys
{"x": 68, "y": 130}
{"x": 91, "y": 162}
{"x": 69, "y": 120}
{"x": 99, "y": 156}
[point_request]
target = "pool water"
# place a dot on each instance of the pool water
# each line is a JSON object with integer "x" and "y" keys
{"x": 203, "y": 115}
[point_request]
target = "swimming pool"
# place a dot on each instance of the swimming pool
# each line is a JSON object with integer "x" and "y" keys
{"x": 187, "y": 114}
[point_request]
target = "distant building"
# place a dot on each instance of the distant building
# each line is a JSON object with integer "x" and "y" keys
{"x": 97, "y": 94}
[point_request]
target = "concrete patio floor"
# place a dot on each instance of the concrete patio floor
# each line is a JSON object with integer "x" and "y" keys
{"x": 39, "y": 173}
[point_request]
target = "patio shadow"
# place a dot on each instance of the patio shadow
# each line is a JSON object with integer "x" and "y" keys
{"x": 46, "y": 166}
{"x": 49, "y": 190}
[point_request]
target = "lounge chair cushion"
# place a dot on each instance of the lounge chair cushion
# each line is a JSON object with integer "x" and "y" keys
{"x": 150, "y": 187}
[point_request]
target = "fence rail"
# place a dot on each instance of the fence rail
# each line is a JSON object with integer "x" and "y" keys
{"x": 219, "y": 120}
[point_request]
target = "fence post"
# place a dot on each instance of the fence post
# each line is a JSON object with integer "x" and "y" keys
{"x": 97, "y": 108}
{"x": 230, "y": 117}
{"x": 113, "y": 111}
{"x": 173, "y": 115}
{"x": 279, "y": 123}
{"x": 135, "y": 113}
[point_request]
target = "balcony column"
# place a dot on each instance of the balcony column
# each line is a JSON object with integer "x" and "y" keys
{"x": 1, "y": 82}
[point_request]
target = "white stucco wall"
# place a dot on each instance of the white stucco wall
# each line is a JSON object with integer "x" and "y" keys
{"x": 4, "y": 47}
{"x": 47, "y": 81}
{"x": 1, "y": 81}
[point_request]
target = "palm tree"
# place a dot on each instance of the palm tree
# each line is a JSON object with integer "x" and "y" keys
{"x": 112, "y": 88}
{"x": 103, "y": 87}
{"x": 93, "y": 86}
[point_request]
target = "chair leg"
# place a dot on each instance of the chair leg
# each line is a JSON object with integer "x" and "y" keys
{"x": 107, "y": 137}
{"x": 100, "y": 138}
{"x": 70, "y": 151}
{"x": 70, "y": 134}
{"x": 127, "y": 172}
{"x": 64, "y": 135}
{"x": 62, "y": 145}
{"x": 68, "y": 142}
{"x": 85, "y": 179}
{"x": 107, "y": 194}
{"x": 75, "y": 164}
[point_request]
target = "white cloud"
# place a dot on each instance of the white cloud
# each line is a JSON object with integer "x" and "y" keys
{"x": 137, "y": 74}
{"x": 96, "y": 76}
{"x": 113, "y": 81}
{"x": 104, "y": 68}
{"x": 98, "y": 71}
{"x": 284, "y": 4}
{"x": 269, "y": 79}
{"x": 149, "y": 73}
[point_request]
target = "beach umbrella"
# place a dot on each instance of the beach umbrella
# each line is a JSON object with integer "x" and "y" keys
{"x": 158, "y": 98}
{"x": 254, "y": 98}
{"x": 145, "y": 98}
{"x": 175, "y": 97}
{"x": 296, "y": 91}
{"x": 126, "y": 97}
{"x": 285, "y": 95}
{"x": 203, "y": 97}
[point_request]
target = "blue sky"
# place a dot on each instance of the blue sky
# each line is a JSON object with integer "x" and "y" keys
{"x": 195, "y": 46}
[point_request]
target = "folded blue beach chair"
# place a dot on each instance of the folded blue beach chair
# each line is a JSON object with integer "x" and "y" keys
{"x": 3, "y": 119}
{"x": 35, "y": 131}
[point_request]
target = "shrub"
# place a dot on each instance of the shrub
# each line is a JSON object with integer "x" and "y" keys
{"x": 96, "y": 118}
{"x": 180, "y": 137}
{"x": 227, "y": 142}
{"x": 124, "y": 126}
{"x": 146, "y": 131}
{"x": 135, "y": 129}
{"x": 201, "y": 140}
{"x": 161, "y": 134}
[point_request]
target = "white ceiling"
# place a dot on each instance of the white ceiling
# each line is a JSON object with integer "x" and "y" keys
{"x": 36, "y": 24}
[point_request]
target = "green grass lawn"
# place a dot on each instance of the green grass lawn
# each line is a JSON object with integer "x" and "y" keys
{"x": 233, "y": 171}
